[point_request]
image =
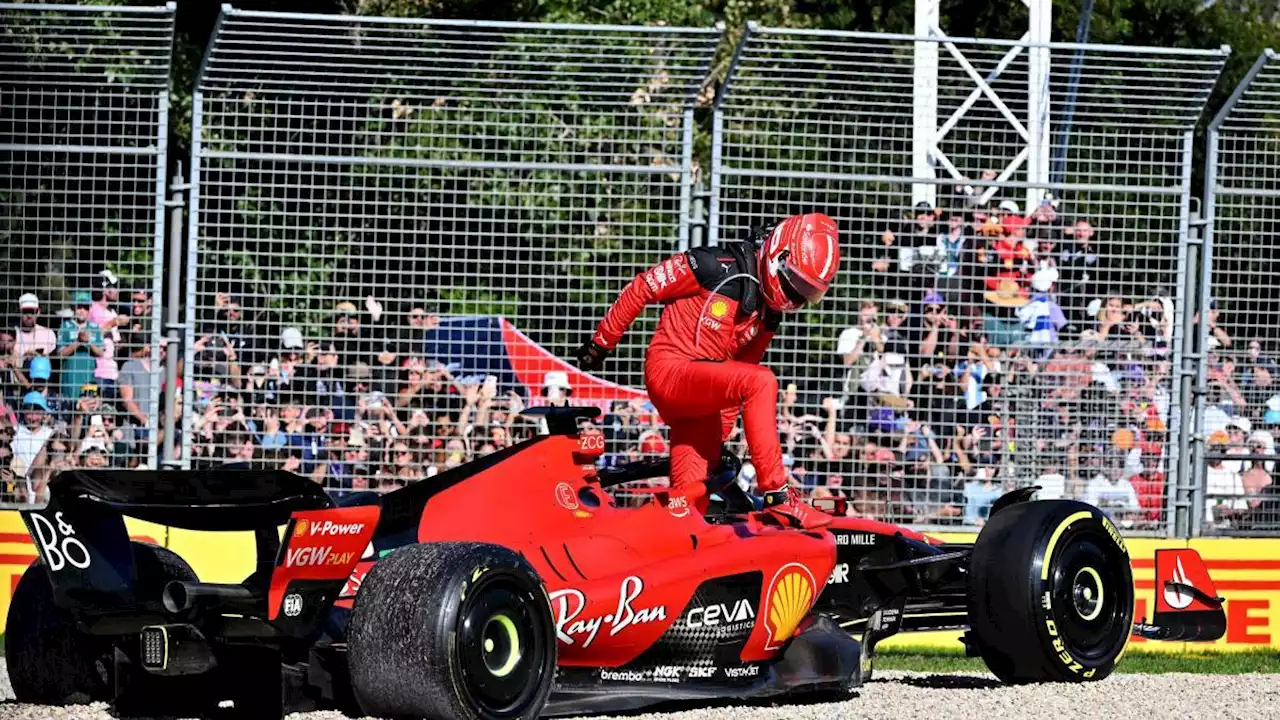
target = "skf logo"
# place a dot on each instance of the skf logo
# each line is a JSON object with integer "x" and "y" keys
{"x": 719, "y": 309}
{"x": 791, "y": 594}
{"x": 300, "y": 528}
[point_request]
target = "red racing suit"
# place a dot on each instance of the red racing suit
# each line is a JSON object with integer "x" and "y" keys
{"x": 702, "y": 366}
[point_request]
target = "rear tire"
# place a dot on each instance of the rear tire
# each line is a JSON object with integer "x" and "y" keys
{"x": 1050, "y": 593}
{"x": 452, "y": 631}
{"x": 52, "y": 663}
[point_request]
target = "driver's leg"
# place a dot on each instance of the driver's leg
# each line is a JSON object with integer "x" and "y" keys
{"x": 695, "y": 448}
{"x": 707, "y": 390}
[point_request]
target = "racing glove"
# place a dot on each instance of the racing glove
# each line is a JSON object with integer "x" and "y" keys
{"x": 591, "y": 356}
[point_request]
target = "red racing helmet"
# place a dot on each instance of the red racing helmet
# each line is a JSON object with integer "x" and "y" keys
{"x": 798, "y": 261}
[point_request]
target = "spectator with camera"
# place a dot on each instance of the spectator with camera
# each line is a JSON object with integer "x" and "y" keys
{"x": 80, "y": 344}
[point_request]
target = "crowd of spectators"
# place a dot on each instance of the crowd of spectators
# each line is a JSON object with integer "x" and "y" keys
{"x": 76, "y": 386}
{"x": 998, "y": 348}
{"x": 994, "y": 348}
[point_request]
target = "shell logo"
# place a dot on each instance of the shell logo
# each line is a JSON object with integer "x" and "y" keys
{"x": 719, "y": 308}
{"x": 791, "y": 594}
{"x": 300, "y": 528}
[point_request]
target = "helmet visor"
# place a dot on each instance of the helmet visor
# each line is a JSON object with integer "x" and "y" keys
{"x": 798, "y": 288}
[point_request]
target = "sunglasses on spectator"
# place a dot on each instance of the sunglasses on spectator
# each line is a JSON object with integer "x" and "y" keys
{"x": 30, "y": 312}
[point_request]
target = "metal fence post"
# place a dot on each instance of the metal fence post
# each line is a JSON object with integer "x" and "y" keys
{"x": 173, "y": 324}
{"x": 1181, "y": 491}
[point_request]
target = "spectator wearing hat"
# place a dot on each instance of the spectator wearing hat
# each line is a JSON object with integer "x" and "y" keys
{"x": 80, "y": 343}
{"x": 94, "y": 454}
{"x": 1013, "y": 221}
{"x": 40, "y": 377}
{"x": 354, "y": 333}
{"x": 103, "y": 313}
{"x": 32, "y": 338}
{"x": 999, "y": 315}
{"x": 1224, "y": 492}
{"x": 556, "y": 389}
{"x": 940, "y": 336}
{"x": 1042, "y": 317}
{"x": 29, "y": 445}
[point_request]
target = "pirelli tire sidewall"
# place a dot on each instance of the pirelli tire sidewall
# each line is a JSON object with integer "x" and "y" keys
{"x": 1051, "y": 593}
{"x": 452, "y": 631}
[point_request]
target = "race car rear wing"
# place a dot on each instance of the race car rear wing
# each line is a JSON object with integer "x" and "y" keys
{"x": 220, "y": 500}
{"x": 83, "y": 544}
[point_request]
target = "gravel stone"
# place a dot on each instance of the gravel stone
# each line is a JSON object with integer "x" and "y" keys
{"x": 896, "y": 695}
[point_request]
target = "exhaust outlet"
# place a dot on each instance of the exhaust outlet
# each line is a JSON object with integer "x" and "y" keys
{"x": 182, "y": 595}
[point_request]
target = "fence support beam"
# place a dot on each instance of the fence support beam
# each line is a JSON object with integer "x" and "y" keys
{"x": 924, "y": 128}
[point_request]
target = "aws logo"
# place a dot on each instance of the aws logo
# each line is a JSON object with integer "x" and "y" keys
{"x": 719, "y": 309}
{"x": 791, "y": 594}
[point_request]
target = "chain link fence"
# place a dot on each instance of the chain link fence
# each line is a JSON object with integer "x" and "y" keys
{"x": 84, "y": 106}
{"x": 1009, "y": 311}
{"x": 1239, "y": 410}
{"x": 400, "y": 226}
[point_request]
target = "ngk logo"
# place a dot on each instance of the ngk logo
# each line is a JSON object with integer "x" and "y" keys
{"x": 329, "y": 527}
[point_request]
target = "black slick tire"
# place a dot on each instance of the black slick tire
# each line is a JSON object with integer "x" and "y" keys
{"x": 1050, "y": 593}
{"x": 452, "y": 631}
{"x": 49, "y": 661}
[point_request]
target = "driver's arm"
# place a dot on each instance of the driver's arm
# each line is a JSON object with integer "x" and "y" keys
{"x": 668, "y": 280}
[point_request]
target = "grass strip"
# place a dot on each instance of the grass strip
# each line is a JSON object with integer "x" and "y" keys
{"x": 1262, "y": 660}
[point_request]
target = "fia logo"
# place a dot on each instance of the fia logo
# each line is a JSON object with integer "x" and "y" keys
{"x": 293, "y": 605}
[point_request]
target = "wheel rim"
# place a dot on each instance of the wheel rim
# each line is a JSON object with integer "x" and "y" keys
{"x": 501, "y": 647}
{"x": 1089, "y": 594}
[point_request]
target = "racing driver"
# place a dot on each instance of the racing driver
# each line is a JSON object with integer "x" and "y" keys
{"x": 721, "y": 308}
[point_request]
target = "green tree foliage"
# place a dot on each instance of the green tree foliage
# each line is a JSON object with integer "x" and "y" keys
{"x": 570, "y": 219}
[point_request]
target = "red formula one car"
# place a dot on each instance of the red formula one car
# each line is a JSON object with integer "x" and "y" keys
{"x": 514, "y": 587}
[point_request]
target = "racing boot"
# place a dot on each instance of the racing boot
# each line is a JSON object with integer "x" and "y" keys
{"x": 792, "y": 510}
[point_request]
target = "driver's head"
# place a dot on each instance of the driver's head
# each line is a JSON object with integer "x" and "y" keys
{"x": 798, "y": 261}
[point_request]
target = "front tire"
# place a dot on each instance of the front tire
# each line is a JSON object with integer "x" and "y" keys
{"x": 452, "y": 631}
{"x": 1050, "y": 593}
